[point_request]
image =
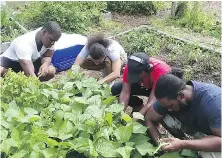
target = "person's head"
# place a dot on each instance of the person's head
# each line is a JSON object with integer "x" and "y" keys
{"x": 171, "y": 92}
{"x": 96, "y": 46}
{"x": 138, "y": 67}
{"x": 50, "y": 33}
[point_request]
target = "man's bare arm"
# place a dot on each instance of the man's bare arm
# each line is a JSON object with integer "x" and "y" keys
{"x": 47, "y": 57}
{"x": 152, "y": 118}
{"x": 149, "y": 103}
{"x": 125, "y": 94}
{"x": 27, "y": 67}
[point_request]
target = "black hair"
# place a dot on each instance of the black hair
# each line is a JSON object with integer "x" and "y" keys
{"x": 53, "y": 28}
{"x": 97, "y": 45}
{"x": 177, "y": 72}
{"x": 169, "y": 86}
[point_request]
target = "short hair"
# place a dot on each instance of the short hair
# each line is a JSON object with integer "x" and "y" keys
{"x": 169, "y": 86}
{"x": 177, "y": 72}
{"x": 53, "y": 28}
{"x": 97, "y": 45}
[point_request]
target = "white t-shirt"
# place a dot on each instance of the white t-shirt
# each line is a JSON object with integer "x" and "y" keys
{"x": 114, "y": 52}
{"x": 70, "y": 40}
{"x": 24, "y": 47}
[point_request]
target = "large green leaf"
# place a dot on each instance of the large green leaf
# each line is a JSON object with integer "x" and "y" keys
{"x": 94, "y": 111}
{"x": 109, "y": 118}
{"x": 19, "y": 154}
{"x": 3, "y": 134}
{"x": 59, "y": 114}
{"x": 7, "y": 144}
{"x": 52, "y": 142}
{"x": 11, "y": 112}
{"x": 107, "y": 148}
{"x": 68, "y": 86}
{"x": 80, "y": 144}
{"x": 115, "y": 108}
{"x": 49, "y": 152}
{"x": 145, "y": 148}
{"x": 35, "y": 154}
{"x": 125, "y": 151}
{"x": 109, "y": 100}
{"x": 92, "y": 149}
{"x": 126, "y": 118}
{"x": 30, "y": 111}
{"x": 54, "y": 94}
{"x": 139, "y": 139}
{"x": 34, "y": 118}
{"x": 95, "y": 100}
{"x": 80, "y": 100}
{"x": 15, "y": 134}
{"x": 123, "y": 133}
{"x": 138, "y": 128}
{"x": 87, "y": 93}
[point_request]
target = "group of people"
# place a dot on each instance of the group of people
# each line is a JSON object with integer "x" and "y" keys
{"x": 191, "y": 106}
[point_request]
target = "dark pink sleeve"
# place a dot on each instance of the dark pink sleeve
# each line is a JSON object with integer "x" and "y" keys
{"x": 125, "y": 74}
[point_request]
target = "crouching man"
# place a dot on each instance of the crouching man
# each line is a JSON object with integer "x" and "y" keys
{"x": 32, "y": 52}
{"x": 193, "y": 108}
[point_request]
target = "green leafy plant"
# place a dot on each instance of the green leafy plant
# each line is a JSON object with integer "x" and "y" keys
{"x": 195, "y": 18}
{"x": 74, "y": 113}
{"x": 9, "y": 30}
{"x": 70, "y": 117}
{"x": 72, "y": 16}
{"x": 130, "y": 7}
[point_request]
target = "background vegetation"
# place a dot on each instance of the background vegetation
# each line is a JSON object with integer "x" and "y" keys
{"x": 88, "y": 17}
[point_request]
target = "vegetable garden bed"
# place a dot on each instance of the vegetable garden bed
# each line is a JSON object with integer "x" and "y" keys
{"x": 70, "y": 117}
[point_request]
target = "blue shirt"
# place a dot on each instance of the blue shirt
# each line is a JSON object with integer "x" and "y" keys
{"x": 203, "y": 113}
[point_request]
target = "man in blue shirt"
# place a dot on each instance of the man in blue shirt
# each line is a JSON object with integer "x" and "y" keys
{"x": 196, "y": 105}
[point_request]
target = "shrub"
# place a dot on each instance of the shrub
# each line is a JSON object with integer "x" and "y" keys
{"x": 9, "y": 30}
{"x": 71, "y": 16}
{"x": 196, "y": 19}
{"x": 132, "y": 7}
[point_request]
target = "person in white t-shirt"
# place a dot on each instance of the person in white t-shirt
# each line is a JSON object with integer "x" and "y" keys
{"x": 32, "y": 52}
{"x": 102, "y": 53}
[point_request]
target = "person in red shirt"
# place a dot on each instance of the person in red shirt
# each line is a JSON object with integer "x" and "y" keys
{"x": 139, "y": 78}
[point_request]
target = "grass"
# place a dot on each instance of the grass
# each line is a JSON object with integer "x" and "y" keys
{"x": 108, "y": 27}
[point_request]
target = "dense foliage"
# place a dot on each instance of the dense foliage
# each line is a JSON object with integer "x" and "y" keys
{"x": 187, "y": 56}
{"x": 9, "y": 29}
{"x": 68, "y": 117}
{"x": 72, "y": 16}
{"x": 195, "y": 18}
{"x": 132, "y": 7}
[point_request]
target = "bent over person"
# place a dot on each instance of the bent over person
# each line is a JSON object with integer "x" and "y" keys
{"x": 32, "y": 52}
{"x": 193, "y": 108}
{"x": 102, "y": 53}
{"x": 139, "y": 78}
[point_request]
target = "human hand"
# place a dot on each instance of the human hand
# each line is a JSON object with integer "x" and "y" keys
{"x": 175, "y": 144}
{"x": 43, "y": 70}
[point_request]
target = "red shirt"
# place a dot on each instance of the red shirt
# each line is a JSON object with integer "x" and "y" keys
{"x": 159, "y": 68}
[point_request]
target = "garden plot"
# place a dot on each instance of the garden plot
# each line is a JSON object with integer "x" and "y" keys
{"x": 68, "y": 117}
